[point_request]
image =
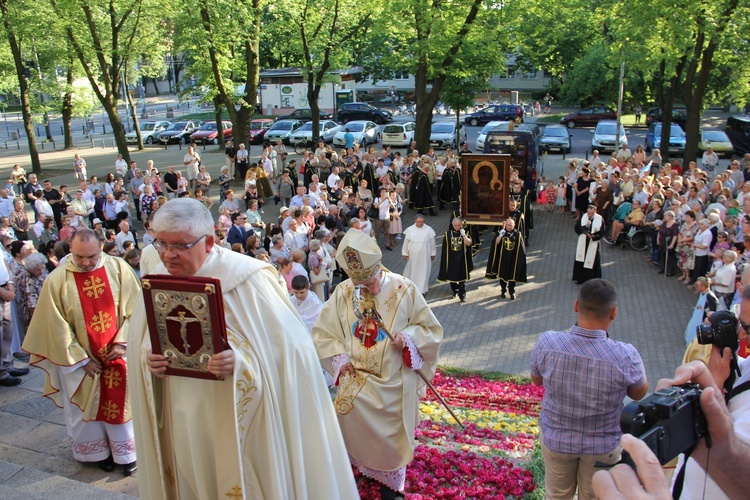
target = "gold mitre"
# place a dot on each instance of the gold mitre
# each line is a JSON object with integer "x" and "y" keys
{"x": 359, "y": 255}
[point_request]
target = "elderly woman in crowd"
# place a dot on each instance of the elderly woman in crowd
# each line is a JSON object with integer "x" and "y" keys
{"x": 19, "y": 251}
{"x": 255, "y": 220}
{"x": 49, "y": 233}
{"x": 666, "y": 240}
{"x": 278, "y": 250}
{"x": 19, "y": 221}
{"x": 685, "y": 255}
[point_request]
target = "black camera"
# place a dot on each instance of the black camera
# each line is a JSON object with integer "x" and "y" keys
{"x": 670, "y": 421}
{"x": 722, "y": 332}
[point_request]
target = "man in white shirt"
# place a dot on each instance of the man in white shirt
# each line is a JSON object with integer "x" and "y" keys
{"x": 709, "y": 161}
{"x": 297, "y": 198}
{"x": 624, "y": 151}
{"x": 191, "y": 161}
{"x": 333, "y": 179}
{"x": 6, "y": 203}
{"x": 267, "y": 165}
{"x": 39, "y": 225}
{"x": 314, "y": 195}
{"x": 120, "y": 167}
{"x": 293, "y": 238}
{"x": 123, "y": 236}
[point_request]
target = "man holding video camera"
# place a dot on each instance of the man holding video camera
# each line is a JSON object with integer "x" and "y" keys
{"x": 728, "y": 426}
{"x": 586, "y": 375}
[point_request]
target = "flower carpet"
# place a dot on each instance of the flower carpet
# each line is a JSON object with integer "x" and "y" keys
{"x": 492, "y": 458}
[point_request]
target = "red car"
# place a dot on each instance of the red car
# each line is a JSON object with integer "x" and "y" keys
{"x": 588, "y": 116}
{"x": 209, "y": 134}
{"x": 258, "y": 129}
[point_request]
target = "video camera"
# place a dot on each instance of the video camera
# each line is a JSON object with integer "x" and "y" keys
{"x": 722, "y": 332}
{"x": 670, "y": 421}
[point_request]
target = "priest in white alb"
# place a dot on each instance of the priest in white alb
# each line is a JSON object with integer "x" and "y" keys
{"x": 268, "y": 430}
{"x": 378, "y": 388}
{"x": 78, "y": 337}
{"x": 419, "y": 250}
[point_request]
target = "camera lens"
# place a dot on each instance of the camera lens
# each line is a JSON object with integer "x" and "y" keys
{"x": 704, "y": 334}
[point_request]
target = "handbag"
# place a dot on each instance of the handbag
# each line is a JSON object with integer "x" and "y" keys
{"x": 322, "y": 273}
{"x": 373, "y": 212}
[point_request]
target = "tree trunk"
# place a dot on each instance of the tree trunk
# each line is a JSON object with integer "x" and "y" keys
{"x": 313, "y": 93}
{"x": 118, "y": 129}
{"x": 67, "y": 108}
{"x": 666, "y": 117}
{"x": 156, "y": 87}
{"x": 425, "y": 104}
{"x": 134, "y": 116}
{"x": 23, "y": 84}
{"x": 217, "y": 118}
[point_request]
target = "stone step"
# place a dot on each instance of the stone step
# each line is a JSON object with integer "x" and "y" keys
{"x": 33, "y": 484}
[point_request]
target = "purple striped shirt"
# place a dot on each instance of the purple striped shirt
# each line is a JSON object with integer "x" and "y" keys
{"x": 586, "y": 377}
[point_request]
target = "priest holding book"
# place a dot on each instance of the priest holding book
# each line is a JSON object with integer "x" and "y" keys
{"x": 267, "y": 429}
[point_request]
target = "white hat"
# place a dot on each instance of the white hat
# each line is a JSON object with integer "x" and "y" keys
{"x": 359, "y": 255}
{"x": 96, "y": 221}
{"x": 283, "y": 209}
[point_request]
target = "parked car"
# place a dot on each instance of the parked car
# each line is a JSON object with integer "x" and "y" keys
{"x": 555, "y": 138}
{"x": 398, "y": 134}
{"x": 738, "y": 130}
{"x": 364, "y": 132}
{"x": 679, "y": 116}
{"x": 676, "y": 138}
{"x": 444, "y": 134}
{"x": 282, "y": 129}
{"x": 328, "y": 130}
{"x": 149, "y": 132}
{"x": 305, "y": 114}
{"x": 179, "y": 132}
{"x": 604, "y": 138}
{"x": 495, "y": 112}
{"x": 588, "y": 116}
{"x": 209, "y": 134}
{"x": 716, "y": 140}
{"x": 362, "y": 111}
{"x": 258, "y": 129}
{"x": 502, "y": 125}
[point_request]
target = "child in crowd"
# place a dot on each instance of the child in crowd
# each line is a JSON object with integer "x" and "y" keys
{"x": 307, "y": 304}
{"x": 560, "y": 200}
{"x": 551, "y": 197}
{"x": 541, "y": 193}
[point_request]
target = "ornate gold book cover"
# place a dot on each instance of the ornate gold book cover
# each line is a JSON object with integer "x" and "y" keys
{"x": 185, "y": 321}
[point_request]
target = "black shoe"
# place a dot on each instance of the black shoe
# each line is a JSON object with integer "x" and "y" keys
{"x": 107, "y": 465}
{"x": 455, "y": 294}
{"x": 129, "y": 469}
{"x": 10, "y": 381}
{"x": 388, "y": 494}
{"x": 512, "y": 296}
{"x": 502, "y": 295}
{"x": 432, "y": 213}
{"x": 388, "y": 248}
{"x": 19, "y": 372}
{"x": 462, "y": 298}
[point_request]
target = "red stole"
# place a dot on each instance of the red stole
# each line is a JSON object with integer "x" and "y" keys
{"x": 100, "y": 316}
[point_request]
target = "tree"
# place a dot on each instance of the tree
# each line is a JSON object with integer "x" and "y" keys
{"x": 459, "y": 93}
{"x": 103, "y": 35}
{"x": 13, "y": 14}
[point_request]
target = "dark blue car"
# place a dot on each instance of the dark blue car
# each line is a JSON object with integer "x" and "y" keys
{"x": 495, "y": 112}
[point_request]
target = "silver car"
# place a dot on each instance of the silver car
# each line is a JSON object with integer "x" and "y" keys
{"x": 282, "y": 130}
{"x": 364, "y": 131}
{"x": 328, "y": 130}
{"x": 149, "y": 131}
{"x": 444, "y": 134}
{"x": 483, "y": 133}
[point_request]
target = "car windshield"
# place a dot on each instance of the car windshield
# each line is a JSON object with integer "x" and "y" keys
{"x": 355, "y": 127}
{"x": 282, "y": 126}
{"x": 145, "y": 127}
{"x": 715, "y": 136}
{"x": 492, "y": 126}
{"x": 557, "y": 132}
{"x": 177, "y": 126}
{"x": 256, "y": 125}
{"x": 442, "y": 128}
{"x": 608, "y": 129}
{"x": 209, "y": 126}
{"x": 675, "y": 131}
{"x": 393, "y": 129}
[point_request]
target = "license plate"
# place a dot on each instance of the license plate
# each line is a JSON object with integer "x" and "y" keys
{"x": 554, "y": 149}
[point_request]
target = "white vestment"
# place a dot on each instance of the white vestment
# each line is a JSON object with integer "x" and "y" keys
{"x": 419, "y": 246}
{"x": 308, "y": 309}
{"x": 588, "y": 255}
{"x": 267, "y": 432}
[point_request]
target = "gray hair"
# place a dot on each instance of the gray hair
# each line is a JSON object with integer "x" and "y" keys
{"x": 35, "y": 261}
{"x": 276, "y": 238}
{"x": 184, "y": 215}
{"x": 314, "y": 245}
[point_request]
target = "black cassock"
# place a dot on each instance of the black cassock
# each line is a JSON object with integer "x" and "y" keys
{"x": 292, "y": 169}
{"x": 368, "y": 174}
{"x": 350, "y": 180}
{"x": 309, "y": 172}
{"x": 450, "y": 189}
{"x": 507, "y": 260}
{"x": 580, "y": 273}
{"x": 455, "y": 259}
{"x": 423, "y": 192}
{"x": 523, "y": 203}
{"x": 521, "y": 223}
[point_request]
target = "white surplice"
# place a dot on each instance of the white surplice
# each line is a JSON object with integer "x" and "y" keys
{"x": 419, "y": 245}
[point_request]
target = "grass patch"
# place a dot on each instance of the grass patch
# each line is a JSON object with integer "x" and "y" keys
{"x": 553, "y": 118}
{"x": 536, "y": 466}
{"x": 503, "y": 377}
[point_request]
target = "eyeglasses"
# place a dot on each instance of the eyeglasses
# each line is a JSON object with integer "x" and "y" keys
{"x": 162, "y": 247}
{"x": 745, "y": 326}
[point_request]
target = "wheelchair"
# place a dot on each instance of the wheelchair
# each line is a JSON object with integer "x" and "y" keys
{"x": 635, "y": 238}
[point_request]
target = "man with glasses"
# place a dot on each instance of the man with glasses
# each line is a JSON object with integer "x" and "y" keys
{"x": 237, "y": 233}
{"x": 80, "y": 341}
{"x": 268, "y": 430}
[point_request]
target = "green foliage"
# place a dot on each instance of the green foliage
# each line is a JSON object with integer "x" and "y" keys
{"x": 504, "y": 377}
{"x": 536, "y": 466}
